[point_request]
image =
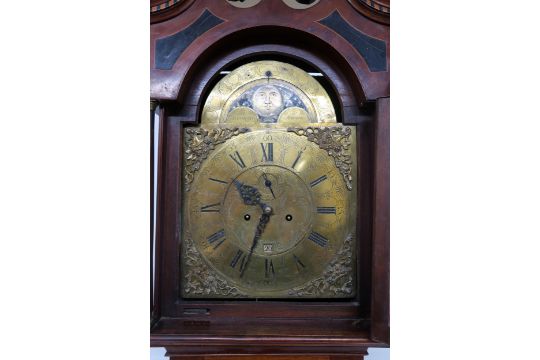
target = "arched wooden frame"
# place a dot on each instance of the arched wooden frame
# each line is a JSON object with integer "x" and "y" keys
{"x": 337, "y": 327}
{"x": 303, "y": 31}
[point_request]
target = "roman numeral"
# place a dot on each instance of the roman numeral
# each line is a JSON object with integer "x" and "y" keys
{"x": 269, "y": 268}
{"x": 298, "y": 262}
{"x": 238, "y": 159}
{"x": 236, "y": 258}
{"x": 218, "y": 181}
{"x": 318, "y": 239}
{"x": 216, "y": 236}
{"x": 268, "y": 152}
{"x": 326, "y": 210}
{"x": 219, "y": 243}
{"x": 317, "y": 181}
{"x": 210, "y": 208}
{"x": 243, "y": 264}
{"x": 296, "y": 160}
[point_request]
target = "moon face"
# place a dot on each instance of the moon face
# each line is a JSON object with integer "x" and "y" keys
{"x": 267, "y": 101}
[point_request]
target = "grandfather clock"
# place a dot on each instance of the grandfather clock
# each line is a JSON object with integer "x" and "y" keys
{"x": 271, "y": 235}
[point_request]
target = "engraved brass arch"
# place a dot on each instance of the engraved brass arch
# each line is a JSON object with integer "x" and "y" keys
{"x": 268, "y": 93}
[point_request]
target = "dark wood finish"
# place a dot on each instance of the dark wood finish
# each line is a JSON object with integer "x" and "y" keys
{"x": 264, "y": 354}
{"x": 167, "y": 11}
{"x": 377, "y": 10}
{"x": 380, "y": 300}
{"x": 275, "y": 20}
{"x": 264, "y": 337}
{"x": 364, "y": 150}
{"x": 323, "y": 329}
{"x": 170, "y": 219}
{"x": 268, "y": 357}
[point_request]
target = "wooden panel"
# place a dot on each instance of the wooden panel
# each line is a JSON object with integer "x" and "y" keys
{"x": 269, "y": 357}
{"x": 169, "y": 207}
{"x": 250, "y": 331}
{"x": 273, "y": 19}
{"x": 377, "y": 10}
{"x": 381, "y": 226}
{"x": 161, "y": 10}
{"x": 364, "y": 134}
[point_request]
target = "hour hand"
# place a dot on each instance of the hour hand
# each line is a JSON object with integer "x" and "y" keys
{"x": 250, "y": 195}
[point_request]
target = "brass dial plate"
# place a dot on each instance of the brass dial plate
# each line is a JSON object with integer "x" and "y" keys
{"x": 305, "y": 247}
{"x": 268, "y": 92}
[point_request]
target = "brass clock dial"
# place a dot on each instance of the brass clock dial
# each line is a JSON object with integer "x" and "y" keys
{"x": 269, "y": 193}
{"x": 268, "y": 214}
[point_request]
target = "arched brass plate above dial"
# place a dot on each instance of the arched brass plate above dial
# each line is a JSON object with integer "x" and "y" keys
{"x": 268, "y": 92}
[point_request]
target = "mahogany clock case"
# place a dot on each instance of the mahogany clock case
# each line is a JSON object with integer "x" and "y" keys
{"x": 361, "y": 99}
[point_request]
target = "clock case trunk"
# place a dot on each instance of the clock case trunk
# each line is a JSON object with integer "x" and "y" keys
{"x": 339, "y": 328}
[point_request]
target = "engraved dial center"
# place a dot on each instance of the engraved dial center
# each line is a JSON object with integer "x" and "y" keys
{"x": 284, "y": 194}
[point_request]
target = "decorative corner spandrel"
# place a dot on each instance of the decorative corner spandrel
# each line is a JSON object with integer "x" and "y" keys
{"x": 200, "y": 279}
{"x": 199, "y": 143}
{"x": 337, "y": 143}
{"x": 337, "y": 279}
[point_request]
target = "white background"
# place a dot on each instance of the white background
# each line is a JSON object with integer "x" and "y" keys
{"x": 74, "y": 183}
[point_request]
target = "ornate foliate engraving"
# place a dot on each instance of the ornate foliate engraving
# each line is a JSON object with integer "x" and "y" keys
{"x": 336, "y": 141}
{"x": 337, "y": 279}
{"x": 199, "y": 143}
{"x": 200, "y": 280}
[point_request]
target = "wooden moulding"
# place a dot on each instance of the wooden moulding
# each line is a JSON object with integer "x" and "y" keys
{"x": 376, "y": 10}
{"x": 380, "y": 298}
{"x": 267, "y": 23}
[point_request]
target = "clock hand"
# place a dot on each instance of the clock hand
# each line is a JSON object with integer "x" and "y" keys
{"x": 268, "y": 184}
{"x": 265, "y": 217}
{"x": 249, "y": 194}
